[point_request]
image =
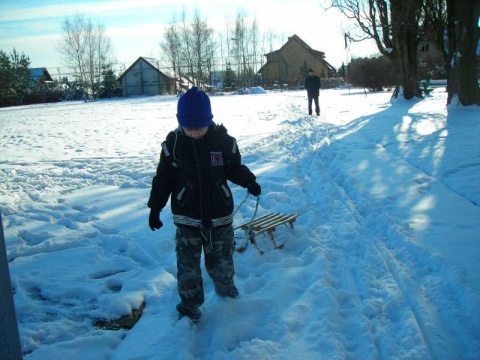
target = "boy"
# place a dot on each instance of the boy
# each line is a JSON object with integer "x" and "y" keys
{"x": 196, "y": 161}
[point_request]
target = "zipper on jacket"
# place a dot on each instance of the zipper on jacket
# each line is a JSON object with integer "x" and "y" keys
{"x": 199, "y": 161}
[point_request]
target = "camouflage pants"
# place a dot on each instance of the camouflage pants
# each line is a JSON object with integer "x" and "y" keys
{"x": 218, "y": 247}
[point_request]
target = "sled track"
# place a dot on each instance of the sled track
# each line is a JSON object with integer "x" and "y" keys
{"x": 388, "y": 259}
{"x": 374, "y": 265}
{"x": 394, "y": 245}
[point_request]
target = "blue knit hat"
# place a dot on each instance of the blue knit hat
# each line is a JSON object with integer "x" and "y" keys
{"x": 194, "y": 110}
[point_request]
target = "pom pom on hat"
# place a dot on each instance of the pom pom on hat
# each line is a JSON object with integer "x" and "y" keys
{"x": 194, "y": 109}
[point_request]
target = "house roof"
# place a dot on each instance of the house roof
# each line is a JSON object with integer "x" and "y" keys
{"x": 151, "y": 62}
{"x": 38, "y": 74}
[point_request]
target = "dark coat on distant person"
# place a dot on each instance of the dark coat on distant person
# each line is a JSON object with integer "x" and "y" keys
{"x": 312, "y": 85}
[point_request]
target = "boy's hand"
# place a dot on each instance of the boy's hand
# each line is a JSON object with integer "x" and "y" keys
{"x": 154, "y": 219}
{"x": 254, "y": 189}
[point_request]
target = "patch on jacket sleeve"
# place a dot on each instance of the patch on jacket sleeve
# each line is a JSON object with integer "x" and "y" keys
{"x": 216, "y": 158}
{"x": 234, "y": 146}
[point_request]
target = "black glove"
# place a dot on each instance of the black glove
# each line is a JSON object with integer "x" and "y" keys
{"x": 154, "y": 219}
{"x": 254, "y": 189}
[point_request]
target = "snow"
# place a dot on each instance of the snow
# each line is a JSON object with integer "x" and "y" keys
{"x": 383, "y": 262}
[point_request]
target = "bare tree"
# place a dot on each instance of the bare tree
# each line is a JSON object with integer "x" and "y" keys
{"x": 254, "y": 47}
{"x": 73, "y": 46}
{"x": 394, "y": 26}
{"x": 189, "y": 49}
{"x": 172, "y": 48}
{"x": 203, "y": 48}
{"x": 269, "y": 41}
{"x": 102, "y": 57}
{"x": 87, "y": 50}
{"x": 186, "y": 55}
{"x": 245, "y": 44}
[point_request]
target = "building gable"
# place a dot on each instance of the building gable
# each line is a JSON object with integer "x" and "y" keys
{"x": 144, "y": 78}
{"x": 291, "y": 62}
{"x": 148, "y": 62}
{"x": 40, "y": 75}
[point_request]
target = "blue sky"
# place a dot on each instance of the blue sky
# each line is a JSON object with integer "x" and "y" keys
{"x": 136, "y": 27}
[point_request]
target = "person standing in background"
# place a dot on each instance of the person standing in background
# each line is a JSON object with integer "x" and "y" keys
{"x": 312, "y": 85}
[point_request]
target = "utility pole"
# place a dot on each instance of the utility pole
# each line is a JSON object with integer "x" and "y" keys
{"x": 10, "y": 348}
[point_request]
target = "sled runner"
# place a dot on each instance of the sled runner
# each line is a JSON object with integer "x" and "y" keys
{"x": 266, "y": 224}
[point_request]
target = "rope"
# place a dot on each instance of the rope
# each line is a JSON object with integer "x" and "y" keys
{"x": 255, "y": 213}
{"x": 251, "y": 235}
{"x": 249, "y": 230}
{"x": 243, "y": 202}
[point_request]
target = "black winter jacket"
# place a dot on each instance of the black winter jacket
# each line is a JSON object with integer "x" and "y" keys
{"x": 312, "y": 85}
{"x": 195, "y": 173}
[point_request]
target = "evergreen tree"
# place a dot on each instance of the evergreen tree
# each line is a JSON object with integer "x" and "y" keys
{"x": 110, "y": 86}
{"x": 72, "y": 90}
{"x": 6, "y": 93}
{"x": 229, "y": 77}
{"x": 15, "y": 78}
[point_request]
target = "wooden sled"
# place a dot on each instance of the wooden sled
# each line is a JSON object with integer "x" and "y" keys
{"x": 266, "y": 224}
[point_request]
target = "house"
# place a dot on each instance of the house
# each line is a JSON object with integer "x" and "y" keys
{"x": 42, "y": 87}
{"x": 290, "y": 64}
{"x": 40, "y": 76}
{"x": 143, "y": 77}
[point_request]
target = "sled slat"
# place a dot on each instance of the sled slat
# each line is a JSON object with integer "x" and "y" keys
{"x": 268, "y": 223}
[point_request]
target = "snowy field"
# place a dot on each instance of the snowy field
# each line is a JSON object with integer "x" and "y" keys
{"x": 383, "y": 262}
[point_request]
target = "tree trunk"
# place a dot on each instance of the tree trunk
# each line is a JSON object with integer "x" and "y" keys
{"x": 463, "y": 34}
{"x": 467, "y": 32}
{"x": 404, "y": 34}
{"x": 406, "y": 65}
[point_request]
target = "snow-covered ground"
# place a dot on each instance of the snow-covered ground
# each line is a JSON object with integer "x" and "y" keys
{"x": 383, "y": 263}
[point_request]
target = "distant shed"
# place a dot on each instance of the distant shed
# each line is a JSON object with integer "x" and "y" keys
{"x": 40, "y": 75}
{"x": 143, "y": 77}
